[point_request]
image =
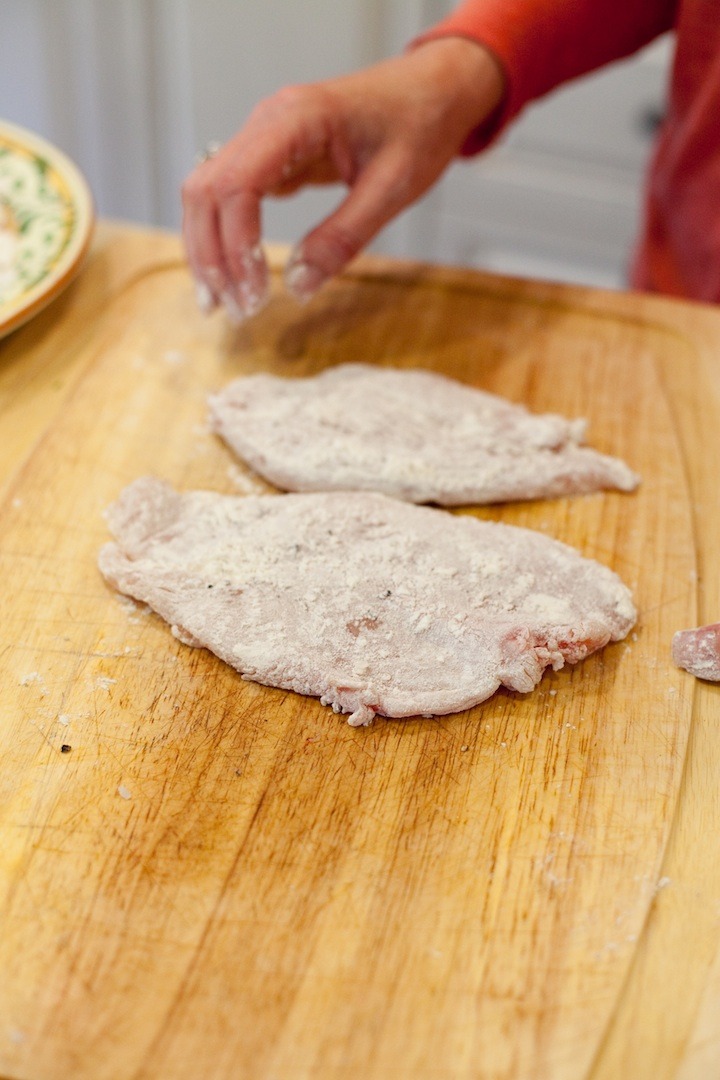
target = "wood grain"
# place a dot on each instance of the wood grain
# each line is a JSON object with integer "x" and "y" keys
{"x": 224, "y": 880}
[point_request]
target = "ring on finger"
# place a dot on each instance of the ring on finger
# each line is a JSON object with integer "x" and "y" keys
{"x": 209, "y": 151}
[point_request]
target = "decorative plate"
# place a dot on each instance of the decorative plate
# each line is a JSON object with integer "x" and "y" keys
{"x": 46, "y": 220}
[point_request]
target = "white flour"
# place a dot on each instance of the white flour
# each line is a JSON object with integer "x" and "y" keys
{"x": 368, "y": 603}
{"x": 413, "y": 434}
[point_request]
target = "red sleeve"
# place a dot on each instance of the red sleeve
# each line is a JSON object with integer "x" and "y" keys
{"x": 542, "y": 43}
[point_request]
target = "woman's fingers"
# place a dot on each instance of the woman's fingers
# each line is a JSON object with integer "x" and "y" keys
{"x": 386, "y": 133}
{"x": 382, "y": 189}
{"x": 204, "y": 250}
{"x": 247, "y": 287}
{"x": 222, "y": 201}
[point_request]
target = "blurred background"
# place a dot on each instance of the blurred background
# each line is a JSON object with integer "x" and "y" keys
{"x": 133, "y": 89}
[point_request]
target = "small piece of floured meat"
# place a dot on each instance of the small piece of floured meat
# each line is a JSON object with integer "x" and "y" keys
{"x": 370, "y": 604}
{"x": 414, "y": 434}
{"x": 698, "y": 651}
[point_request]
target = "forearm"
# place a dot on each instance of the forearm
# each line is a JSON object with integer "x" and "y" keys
{"x": 542, "y": 43}
{"x": 464, "y": 76}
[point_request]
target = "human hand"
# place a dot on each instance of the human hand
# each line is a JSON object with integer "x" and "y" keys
{"x": 386, "y": 132}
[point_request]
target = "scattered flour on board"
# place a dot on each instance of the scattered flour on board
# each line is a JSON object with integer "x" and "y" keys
{"x": 135, "y": 610}
{"x": 104, "y": 682}
{"x": 34, "y": 677}
{"x": 174, "y": 356}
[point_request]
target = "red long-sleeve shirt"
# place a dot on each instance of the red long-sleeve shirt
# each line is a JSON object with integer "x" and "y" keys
{"x": 542, "y": 43}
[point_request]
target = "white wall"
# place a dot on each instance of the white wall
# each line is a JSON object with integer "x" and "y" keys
{"x": 132, "y": 89}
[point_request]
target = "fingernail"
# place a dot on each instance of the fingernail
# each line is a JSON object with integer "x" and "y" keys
{"x": 252, "y": 299}
{"x": 208, "y": 286}
{"x": 204, "y": 297}
{"x": 214, "y": 278}
{"x": 244, "y": 301}
{"x": 235, "y": 311}
{"x": 254, "y": 290}
{"x": 248, "y": 296}
{"x": 303, "y": 279}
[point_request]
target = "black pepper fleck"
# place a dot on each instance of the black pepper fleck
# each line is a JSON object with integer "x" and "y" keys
{"x": 65, "y": 748}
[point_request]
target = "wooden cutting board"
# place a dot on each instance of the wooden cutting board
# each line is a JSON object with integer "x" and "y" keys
{"x": 202, "y": 877}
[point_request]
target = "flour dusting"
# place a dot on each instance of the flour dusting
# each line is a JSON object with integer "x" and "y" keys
{"x": 416, "y": 435}
{"x": 370, "y": 604}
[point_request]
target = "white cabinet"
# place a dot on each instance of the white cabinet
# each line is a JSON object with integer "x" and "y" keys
{"x": 133, "y": 89}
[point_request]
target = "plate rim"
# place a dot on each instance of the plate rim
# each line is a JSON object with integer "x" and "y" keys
{"x": 29, "y": 303}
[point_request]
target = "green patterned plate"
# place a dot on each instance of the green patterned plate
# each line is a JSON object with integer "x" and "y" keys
{"x": 46, "y": 220}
